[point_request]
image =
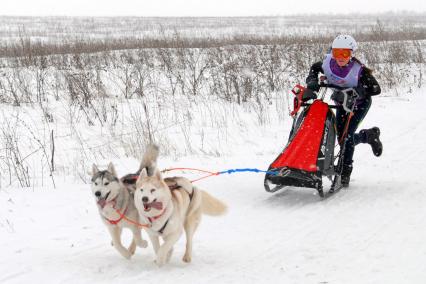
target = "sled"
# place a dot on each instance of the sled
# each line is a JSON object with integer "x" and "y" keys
{"x": 309, "y": 154}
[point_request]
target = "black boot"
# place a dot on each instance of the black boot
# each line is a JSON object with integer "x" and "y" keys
{"x": 373, "y": 138}
{"x": 346, "y": 175}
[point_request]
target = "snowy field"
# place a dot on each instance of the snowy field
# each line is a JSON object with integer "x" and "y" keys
{"x": 213, "y": 109}
{"x": 373, "y": 232}
{"x": 56, "y": 29}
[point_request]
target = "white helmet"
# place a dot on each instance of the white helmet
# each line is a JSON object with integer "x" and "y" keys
{"x": 344, "y": 41}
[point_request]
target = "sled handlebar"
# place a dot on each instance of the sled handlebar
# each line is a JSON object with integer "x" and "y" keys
{"x": 308, "y": 104}
{"x": 347, "y": 97}
{"x": 324, "y": 85}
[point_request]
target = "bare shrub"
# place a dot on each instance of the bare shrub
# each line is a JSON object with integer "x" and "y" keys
{"x": 12, "y": 159}
{"x": 132, "y": 90}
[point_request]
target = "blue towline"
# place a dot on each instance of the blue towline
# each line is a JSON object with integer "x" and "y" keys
{"x": 231, "y": 171}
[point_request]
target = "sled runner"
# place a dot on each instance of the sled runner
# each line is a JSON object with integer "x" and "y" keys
{"x": 309, "y": 153}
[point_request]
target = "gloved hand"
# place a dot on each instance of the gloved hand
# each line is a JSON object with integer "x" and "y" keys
{"x": 361, "y": 92}
{"x": 338, "y": 97}
{"x": 308, "y": 94}
{"x": 313, "y": 85}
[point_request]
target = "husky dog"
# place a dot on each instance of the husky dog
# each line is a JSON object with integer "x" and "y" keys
{"x": 116, "y": 207}
{"x": 170, "y": 206}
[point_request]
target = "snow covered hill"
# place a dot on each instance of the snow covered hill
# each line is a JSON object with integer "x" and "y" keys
{"x": 373, "y": 232}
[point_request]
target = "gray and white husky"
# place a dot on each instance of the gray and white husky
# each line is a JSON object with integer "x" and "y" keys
{"x": 117, "y": 209}
{"x": 171, "y": 206}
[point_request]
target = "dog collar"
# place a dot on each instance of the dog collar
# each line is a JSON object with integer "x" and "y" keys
{"x": 152, "y": 219}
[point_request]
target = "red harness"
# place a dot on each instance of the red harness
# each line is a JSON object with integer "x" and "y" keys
{"x": 115, "y": 222}
{"x": 152, "y": 219}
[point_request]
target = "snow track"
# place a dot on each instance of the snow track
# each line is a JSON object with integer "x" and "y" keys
{"x": 373, "y": 232}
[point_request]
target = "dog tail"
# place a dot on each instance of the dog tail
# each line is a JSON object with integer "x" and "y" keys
{"x": 211, "y": 205}
{"x": 149, "y": 160}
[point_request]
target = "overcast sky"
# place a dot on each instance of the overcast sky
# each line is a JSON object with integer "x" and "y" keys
{"x": 201, "y": 7}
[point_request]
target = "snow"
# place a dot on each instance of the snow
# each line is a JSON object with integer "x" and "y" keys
{"x": 372, "y": 232}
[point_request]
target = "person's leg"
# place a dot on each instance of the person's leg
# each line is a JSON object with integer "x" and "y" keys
{"x": 370, "y": 136}
{"x": 353, "y": 139}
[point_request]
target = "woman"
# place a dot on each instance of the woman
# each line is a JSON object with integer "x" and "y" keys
{"x": 344, "y": 70}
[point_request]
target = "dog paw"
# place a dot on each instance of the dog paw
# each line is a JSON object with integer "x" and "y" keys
{"x": 126, "y": 254}
{"x": 143, "y": 244}
{"x": 160, "y": 261}
{"x": 187, "y": 258}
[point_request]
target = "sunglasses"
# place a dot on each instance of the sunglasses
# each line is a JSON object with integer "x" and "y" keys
{"x": 344, "y": 53}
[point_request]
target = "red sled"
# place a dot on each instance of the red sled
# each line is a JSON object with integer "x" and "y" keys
{"x": 309, "y": 153}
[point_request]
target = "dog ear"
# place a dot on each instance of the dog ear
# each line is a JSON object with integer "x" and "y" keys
{"x": 143, "y": 174}
{"x": 111, "y": 169}
{"x": 158, "y": 175}
{"x": 95, "y": 169}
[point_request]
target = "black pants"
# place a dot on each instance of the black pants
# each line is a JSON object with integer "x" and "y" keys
{"x": 354, "y": 139}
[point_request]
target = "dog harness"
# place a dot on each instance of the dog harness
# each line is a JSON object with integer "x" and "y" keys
{"x": 176, "y": 186}
{"x": 122, "y": 215}
{"x": 171, "y": 187}
{"x": 164, "y": 226}
{"x": 131, "y": 179}
{"x": 115, "y": 222}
